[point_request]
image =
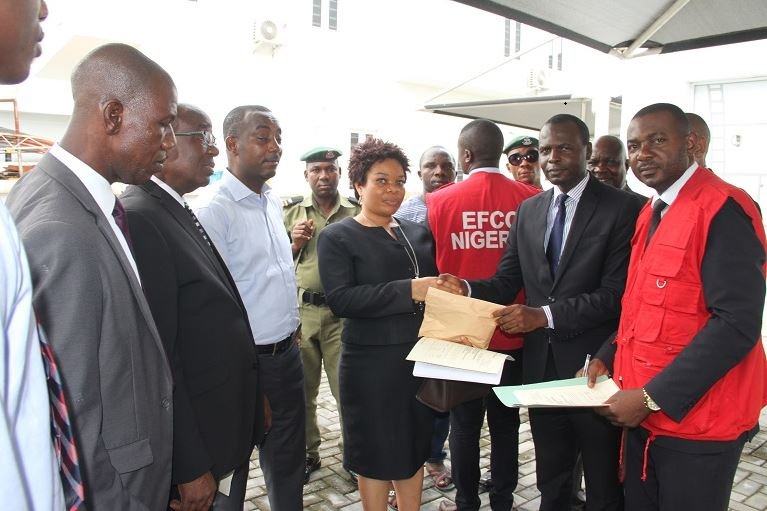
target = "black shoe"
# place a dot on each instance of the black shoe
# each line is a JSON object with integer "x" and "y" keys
{"x": 485, "y": 482}
{"x": 312, "y": 465}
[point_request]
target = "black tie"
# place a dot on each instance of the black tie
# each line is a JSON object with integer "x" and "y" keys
{"x": 657, "y": 210}
{"x": 198, "y": 224}
{"x": 554, "y": 247}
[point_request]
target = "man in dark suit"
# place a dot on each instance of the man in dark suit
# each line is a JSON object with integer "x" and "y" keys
{"x": 202, "y": 322}
{"x": 568, "y": 248}
{"x": 608, "y": 163}
{"x": 87, "y": 292}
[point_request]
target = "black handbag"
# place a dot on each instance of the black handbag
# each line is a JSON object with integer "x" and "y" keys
{"x": 443, "y": 395}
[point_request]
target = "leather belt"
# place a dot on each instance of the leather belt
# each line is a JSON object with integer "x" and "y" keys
{"x": 277, "y": 347}
{"x": 312, "y": 298}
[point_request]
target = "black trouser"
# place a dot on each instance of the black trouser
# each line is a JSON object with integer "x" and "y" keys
{"x": 465, "y": 428}
{"x": 558, "y": 435}
{"x": 680, "y": 474}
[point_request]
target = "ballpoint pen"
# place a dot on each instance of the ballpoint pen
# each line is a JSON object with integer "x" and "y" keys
{"x": 586, "y": 366}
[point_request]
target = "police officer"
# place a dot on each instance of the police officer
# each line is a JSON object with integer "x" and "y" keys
{"x": 522, "y": 153}
{"x": 304, "y": 218}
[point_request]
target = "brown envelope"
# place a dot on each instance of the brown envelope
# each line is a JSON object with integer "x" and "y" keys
{"x": 450, "y": 317}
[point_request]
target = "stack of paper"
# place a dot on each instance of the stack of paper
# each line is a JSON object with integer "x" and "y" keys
{"x": 437, "y": 358}
{"x": 572, "y": 392}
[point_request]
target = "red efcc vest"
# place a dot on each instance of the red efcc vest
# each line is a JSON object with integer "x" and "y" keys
{"x": 663, "y": 309}
{"x": 470, "y": 222}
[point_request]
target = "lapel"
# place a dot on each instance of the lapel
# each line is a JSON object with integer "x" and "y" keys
{"x": 184, "y": 219}
{"x": 586, "y": 207}
{"x": 60, "y": 173}
{"x": 539, "y": 214}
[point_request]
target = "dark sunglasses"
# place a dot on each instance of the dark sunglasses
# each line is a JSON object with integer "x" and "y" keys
{"x": 516, "y": 158}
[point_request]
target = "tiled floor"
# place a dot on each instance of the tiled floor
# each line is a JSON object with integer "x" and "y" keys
{"x": 330, "y": 487}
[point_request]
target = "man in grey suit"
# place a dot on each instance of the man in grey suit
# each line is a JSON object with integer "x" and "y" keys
{"x": 87, "y": 292}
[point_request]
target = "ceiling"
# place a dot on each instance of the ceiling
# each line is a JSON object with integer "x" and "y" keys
{"x": 624, "y": 27}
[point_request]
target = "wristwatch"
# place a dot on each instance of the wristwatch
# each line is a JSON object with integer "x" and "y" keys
{"x": 649, "y": 403}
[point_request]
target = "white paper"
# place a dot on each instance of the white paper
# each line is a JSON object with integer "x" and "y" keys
{"x": 225, "y": 484}
{"x": 572, "y": 392}
{"x": 458, "y": 356}
{"x": 426, "y": 370}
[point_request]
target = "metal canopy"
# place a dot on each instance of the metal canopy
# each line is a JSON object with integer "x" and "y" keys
{"x": 624, "y": 27}
{"x": 529, "y": 113}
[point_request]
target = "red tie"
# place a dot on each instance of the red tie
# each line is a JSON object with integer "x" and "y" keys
{"x": 61, "y": 430}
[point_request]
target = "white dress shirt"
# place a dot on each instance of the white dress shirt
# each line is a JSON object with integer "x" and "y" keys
{"x": 165, "y": 186}
{"x": 669, "y": 196}
{"x": 100, "y": 190}
{"x": 246, "y": 227}
{"x": 571, "y": 204}
{"x": 29, "y": 471}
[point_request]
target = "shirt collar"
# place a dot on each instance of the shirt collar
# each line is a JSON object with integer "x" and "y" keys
{"x": 95, "y": 183}
{"x": 237, "y": 188}
{"x": 162, "y": 184}
{"x": 671, "y": 193}
{"x": 490, "y": 170}
{"x": 575, "y": 192}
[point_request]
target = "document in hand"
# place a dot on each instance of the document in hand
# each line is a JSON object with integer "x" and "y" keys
{"x": 558, "y": 393}
{"x": 450, "y": 317}
{"x": 437, "y": 358}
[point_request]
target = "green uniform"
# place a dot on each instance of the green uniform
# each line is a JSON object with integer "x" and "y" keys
{"x": 320, "y": 329}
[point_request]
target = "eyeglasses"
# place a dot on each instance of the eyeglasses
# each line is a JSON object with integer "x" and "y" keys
{"x": 516, "y": 158}
{"x": 206, "y": 136}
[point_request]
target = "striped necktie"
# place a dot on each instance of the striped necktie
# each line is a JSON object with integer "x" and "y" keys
{"x": 554, "y": 247}
{"x": 198, "y": 224}
{"x": 61, "y": 430}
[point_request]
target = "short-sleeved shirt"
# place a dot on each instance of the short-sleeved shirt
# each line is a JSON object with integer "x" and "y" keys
{"x": 307, "y": 268}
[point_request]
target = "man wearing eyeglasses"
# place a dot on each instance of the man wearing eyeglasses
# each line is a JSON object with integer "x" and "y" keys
{"x": 304, "y": 218}
{"x": 218, "y": 402}
{"x": 522, "y": 153}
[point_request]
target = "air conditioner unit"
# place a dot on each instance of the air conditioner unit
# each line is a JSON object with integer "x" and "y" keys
{"x": 268, "y": 33}
{"x": 539, "y": 79}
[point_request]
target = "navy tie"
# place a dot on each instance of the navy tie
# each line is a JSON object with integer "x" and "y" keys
{"x": 657, "y": 210}
{"x": 554, "y": 247}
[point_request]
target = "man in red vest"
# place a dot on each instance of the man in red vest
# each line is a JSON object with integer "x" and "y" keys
{"x": 470, "y": 222}
{"x": 689, "y": 356}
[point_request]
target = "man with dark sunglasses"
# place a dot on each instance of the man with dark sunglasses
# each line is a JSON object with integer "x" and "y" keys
{"x": 522, "y": 153}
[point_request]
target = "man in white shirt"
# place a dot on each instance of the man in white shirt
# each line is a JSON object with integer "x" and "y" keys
{"x": 29, "y": 473}
{"x": 87, "y": 292}
{"x": 243, "y": 218}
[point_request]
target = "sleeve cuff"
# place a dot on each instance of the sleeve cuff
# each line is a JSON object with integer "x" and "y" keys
{"x": 549, "y": 319}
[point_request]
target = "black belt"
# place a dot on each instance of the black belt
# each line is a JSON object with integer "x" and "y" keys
{"x": 313, "y": 298}
{"x": 277, "y": 347}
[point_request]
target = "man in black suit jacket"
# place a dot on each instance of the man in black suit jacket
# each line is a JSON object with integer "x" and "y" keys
{"x": 217, "y": 399}
{"x": 573, "y": 290}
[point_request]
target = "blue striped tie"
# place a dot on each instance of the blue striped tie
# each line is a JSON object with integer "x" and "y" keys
{"x": 554, "y": 247}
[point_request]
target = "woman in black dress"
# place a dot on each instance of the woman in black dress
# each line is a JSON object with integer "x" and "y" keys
{"x": 376, "y": 271}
